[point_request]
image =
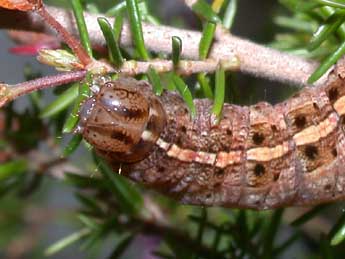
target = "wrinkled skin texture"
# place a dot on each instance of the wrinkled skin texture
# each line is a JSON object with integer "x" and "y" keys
{"x": 259, "y": 157}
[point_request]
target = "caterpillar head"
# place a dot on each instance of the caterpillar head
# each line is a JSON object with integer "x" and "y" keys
{"x": 122, "y": 120}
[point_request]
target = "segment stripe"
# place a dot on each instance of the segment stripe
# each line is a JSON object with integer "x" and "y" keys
{"x": 162, "y": 144}
{"x": 339, "y": 106}
{"x": 223, "y": 159}
{"x": 314, "y": 133}
{"x": 264, "y": 154}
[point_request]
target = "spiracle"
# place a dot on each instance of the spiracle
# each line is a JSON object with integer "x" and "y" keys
{"x": 122, "y": 120}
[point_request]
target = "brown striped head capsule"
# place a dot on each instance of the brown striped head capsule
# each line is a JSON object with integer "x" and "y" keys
{"x": 122, "y": 120}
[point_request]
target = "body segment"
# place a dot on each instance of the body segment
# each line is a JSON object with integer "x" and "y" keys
{"x": 260, "y": 157}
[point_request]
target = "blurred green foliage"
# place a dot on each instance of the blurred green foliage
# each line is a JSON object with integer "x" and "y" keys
{"x": 111, "y": 207}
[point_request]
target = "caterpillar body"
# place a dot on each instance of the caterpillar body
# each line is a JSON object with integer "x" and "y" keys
{"x": 258, "y": 156}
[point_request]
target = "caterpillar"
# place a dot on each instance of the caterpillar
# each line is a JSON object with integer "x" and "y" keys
{"x": 261, "y": 156}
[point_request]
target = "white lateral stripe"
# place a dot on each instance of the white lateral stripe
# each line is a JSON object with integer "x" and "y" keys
{"x": 147, "y": 135}
{"x": 339, "y": 106}
{"x": 313, "y": 133}
{"x": 224, "y": 158}
{"x": 205, "y": 158}
{"x": 162, "y": 144}
{"x": 265, "y": 154}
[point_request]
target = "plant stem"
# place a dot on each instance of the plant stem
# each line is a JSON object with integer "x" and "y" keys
{"x": 254, "y": 58}
{"x": 13, "y": 92}
{"x": 72, "y": 42}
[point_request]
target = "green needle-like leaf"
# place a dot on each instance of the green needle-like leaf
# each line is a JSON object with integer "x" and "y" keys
{"x": 301, "y": 6}
{"x": 339, "y": 236}
{"x": 201, "y": 225}
{"x": 271, "y": 232}
{"x": 84, "y": 35}
{"x": 185, "y": 93}
{"x": 67, "y": 241}
{"x": 61, "y": 102}
{"x": 206, "y": 39}
{"x": 11, "y": 168}
{"x": 326, "y": 12}
{"x": 155, "y": 81}
{"x": 84, "y": 182}
{"x": 91, "y": 203}
{"x": 219, "y": 92}
{"x": 136, "y": 28}
{"x": 116, "y": 9}
{"x": 121, "y": 247}
{"x": 128, "y": 197}
{"x": 217, "y": 239}
{"x": 334, "y": 57}
{"x": 118, "y": 27}
{"x": 88, "y": 222}
{"x": 73, "y": 118}
{"x": 325, "y": 248}
{"x": 326, "y": 64}
{"x": 337, "y": 233}
{"x": 205, "y": 85}
{"x": 308, "y": 215}
{"x": 229, "y": 15}
{"x": 119, "y": 8}
{"x": 113, "y": 47}
{"x": 203, "y": 9}
{"x": 325, "y": 30}
{"x": 336, "y": 4}
{"x": 72, "y": 145}
{"x": 294, "y": 24}
{"x": 176, "y": 50}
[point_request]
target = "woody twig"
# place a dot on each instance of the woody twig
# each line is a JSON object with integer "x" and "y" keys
{"x": 254, "y": 58}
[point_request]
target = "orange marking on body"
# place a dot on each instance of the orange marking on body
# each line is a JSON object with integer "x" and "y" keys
{"x": 147, "y": 136}
{"x": 265, "y": 154}
{"x": 313, "y": 133}
{"x": 173, "y": 151}
{"x": 339, "y": 106}
{"x": 224, "y": 158}
{"x": 205, "y": 158}
{"x": 186, "y": 155}
{"x": 162, "y": 144}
